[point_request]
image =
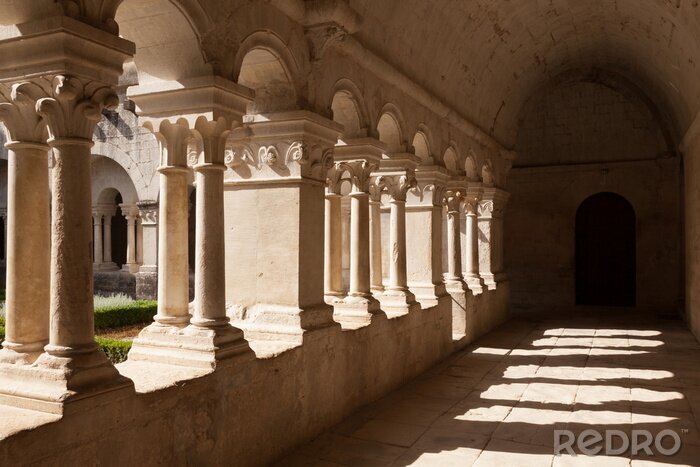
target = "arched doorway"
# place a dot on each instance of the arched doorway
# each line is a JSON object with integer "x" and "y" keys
{"x": 605, "y": 251}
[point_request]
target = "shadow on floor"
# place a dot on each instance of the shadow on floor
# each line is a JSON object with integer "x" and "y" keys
{"x": 499, "y": 401}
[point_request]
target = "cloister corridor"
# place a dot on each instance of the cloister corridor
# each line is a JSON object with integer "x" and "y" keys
{"x": 497, "y": 402}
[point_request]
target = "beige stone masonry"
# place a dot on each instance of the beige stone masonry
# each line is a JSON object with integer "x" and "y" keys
{"x": 490, "y": 212}
{"x": 424, "y": 235}
{"x": 471, "y": 255}
{"x": 274, "y": 198}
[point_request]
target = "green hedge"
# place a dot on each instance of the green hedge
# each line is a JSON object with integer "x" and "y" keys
{"x": 116, "y": 350}
{"x": 2, "y": 329}
{"x": 139, "y": 312}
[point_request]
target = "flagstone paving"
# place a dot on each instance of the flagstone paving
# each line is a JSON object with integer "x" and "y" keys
{"x": 498, "y": 402}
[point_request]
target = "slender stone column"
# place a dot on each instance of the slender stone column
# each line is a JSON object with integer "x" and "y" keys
{"x": 375, "y": 242}
{"x": 359, "y": 294}
{"x": 397, "y": 296}
{"x": 471, "y": 206}
{"x": 147, "y": 276}
{"x": 333, "y": 256}
{"x": 130, "y": 214}
{"x": 454, "y": 247}
{"x": 27, "y": 288}
{"x": 98, "y": 250}
{"x": 107, "y": 240}
{"x": 139, "y": 240}
{"x": 173, "y": 270}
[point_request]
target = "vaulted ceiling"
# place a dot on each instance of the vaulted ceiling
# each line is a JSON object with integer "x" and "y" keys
{"x": 486, "y": 57}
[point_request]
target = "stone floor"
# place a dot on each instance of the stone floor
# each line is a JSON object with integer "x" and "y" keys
{"x": 498, "y": 402}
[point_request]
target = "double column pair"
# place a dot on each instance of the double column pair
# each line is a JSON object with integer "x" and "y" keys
{"x": 368, "y": 183}
{"x": 469, "y": 198}
{"x": 49, "y": 310}
{"x": 205, "y": 337}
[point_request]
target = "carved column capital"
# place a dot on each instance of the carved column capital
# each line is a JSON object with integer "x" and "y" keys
{"x": 173, "y": 139}
{"x": 209, "y": 138}
{"x": 18, "y": 112}
{"x": 359, "y": 173}
{"x": 148, "y": 212}
{"x": 493, "y": 202}
{"x": 397, "y": 184}
{"x": 453, "y": 200}
{"x": 73, "y": 106}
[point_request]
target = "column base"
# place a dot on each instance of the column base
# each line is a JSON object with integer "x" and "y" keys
{"x": 62, "y": 385}
{"x": 358, "y": 310}
{"x": 428, "y": 295}
{"x": 191, "y": 346}
{"x": 476, "y": 284}
{"x": 334, "y": 298}
{"x": 130, "y": 268}
{"x": 491, "y": 281}
{"x": 281, "y": 323}
{"x": 398, "y": 302}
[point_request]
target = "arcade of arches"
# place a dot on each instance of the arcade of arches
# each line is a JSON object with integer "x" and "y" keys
{"x": 328, "y": 198}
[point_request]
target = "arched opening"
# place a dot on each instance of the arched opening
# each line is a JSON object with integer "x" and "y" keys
{"x": 264, "y": 71}
{"x": 346, "y": 113}
{"x": 389, "y": 132}
{"x": 606, "y": 251}
{"x": 421, "y": 147}
{"x": 451, "y": 161}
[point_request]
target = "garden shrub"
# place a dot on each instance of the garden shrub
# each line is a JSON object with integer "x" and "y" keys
{"x": 116, "y": 350}
{"x": 138, "y": 312}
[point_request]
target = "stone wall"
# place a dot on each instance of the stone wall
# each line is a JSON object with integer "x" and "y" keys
{"x": 249, "y": 413}
{"x": 576, "y": 141}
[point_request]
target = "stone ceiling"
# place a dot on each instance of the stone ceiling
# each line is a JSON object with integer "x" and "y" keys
{"x": 486, "y": 57}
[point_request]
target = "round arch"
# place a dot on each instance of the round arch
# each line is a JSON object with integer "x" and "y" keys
{"x": 390, "y": 129}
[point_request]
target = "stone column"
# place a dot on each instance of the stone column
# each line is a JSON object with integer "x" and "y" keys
{"x": 210, "y": 325}
{"x": 358, "y": 159}
{"x": 130, "y": 214}
{"x": 27, "y": 233}
{"x": 490, "y": 220}
{"x": 333, "y": 256}
{"x": 375, "y": 241}
{"x": 71, "y": 113}
{"x": 97, "y": 255}
{"x": 424, "y": 227}
{"x": 454, "y": 248}
{"x": 397, "y": 297}
{"x": 139, "y": 240}
{"x": 108, "y": 213}
{"x": 471, "y": 207}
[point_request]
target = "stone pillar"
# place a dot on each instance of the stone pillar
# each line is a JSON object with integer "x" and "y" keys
{"x": 375, "y": 241}
{"x": 333, "y": 257}
{"x": 210, "y": 332}
{"x": 98, "y": 249}
{"x": 490, "y": 220}
{"x": 139, "y": 240}
{"x": 424, "y": 227}
{"x": 454, "y": 248}
{"x": 397, "y": 297}
{"x": 274, "y": 197}
{"x": 107, "y": 239}
{"x": 471, "y": 208}
{"x": 68, "y": 92}
{"x": 357, "y": 160}
{"x": 131, "y": 215}
{"x": 147, "y": 276}
{"x": 27, "y": 235}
